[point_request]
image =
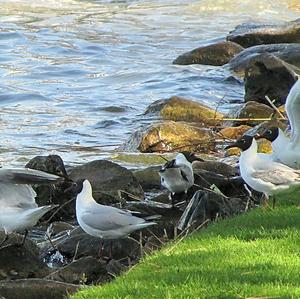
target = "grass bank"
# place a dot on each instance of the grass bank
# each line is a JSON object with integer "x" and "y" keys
{"x": 254, "y": 255}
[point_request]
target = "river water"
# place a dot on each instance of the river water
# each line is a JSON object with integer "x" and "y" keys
{"x": 77, "y": 75}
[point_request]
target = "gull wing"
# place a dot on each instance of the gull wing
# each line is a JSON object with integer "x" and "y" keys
{"x": 108, "y": 218}
{"x": 12, "y": 195}
{"x": 277, "y": 176}
{"x": 26, "y": 176}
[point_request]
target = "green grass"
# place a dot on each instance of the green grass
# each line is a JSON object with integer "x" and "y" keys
{"x": 256, "y": 255}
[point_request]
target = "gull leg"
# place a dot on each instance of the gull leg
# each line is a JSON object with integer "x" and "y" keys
{"x": 24, "y": 238}
{"x": 101, "y": 248}
{"x": 110, "y": 251}
{"x": 5, "y": 239}
{"x": 265, "y": 200}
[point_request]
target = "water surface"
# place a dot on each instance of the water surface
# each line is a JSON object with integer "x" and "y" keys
{"x": 77, "y": 75}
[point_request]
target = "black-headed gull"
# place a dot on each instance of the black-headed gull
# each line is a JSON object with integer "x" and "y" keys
{"x": 263, "y": 175}
{"x": 284, "y": 151}
{"x": 177, "y": 175}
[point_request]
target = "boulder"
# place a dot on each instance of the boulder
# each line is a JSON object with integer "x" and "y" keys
{"x": 208, "y": 206}
{"x": 53, "y": 194}
{"x": 20, "y": 261}
{"x": 234, "y": 132}
{"x": 215, "y": 54}
{"x": 171, "y": 136}
{"x": 82, "y": 244}
{"x": 148, "y": 177}
{"x": 289, "y": 53}
{"x": 181, "y": 109}
{"x": 251, "y": 111}
{"x": 215, "y": 167}
{"x": 269, "y": 76}
{"x": 86, "y": 270}
{"x": 108, "y": 180}
{"x": 248, "y": 35}
{"x": 36, "y": 289}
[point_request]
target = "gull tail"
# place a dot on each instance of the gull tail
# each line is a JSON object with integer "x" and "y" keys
{"x": 35, "y": 214}
{"x": 144, "y": 225}
{"x": 27, "y": 176}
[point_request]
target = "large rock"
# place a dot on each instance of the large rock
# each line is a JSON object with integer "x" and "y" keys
{"x": 81, "y": 244}
{"x": 148, "y": 177}
{"x": 251, "y": 111}
{"x": 53, "y": 194}
{"x": 171, "y": 136}
{"x": 181, "y": 109}
{"x": 108, "y": 180}
{"x": 20, "y": 261}
{"x": 269, "y": 76}
{"x": 215, "y": 54}
{"x": 36, "y": 289}
{"x": 289, "y": 53}
{"x": 248, "y": 35}
{"x": 208, "y": 206}
{"x": 86, "y": 270}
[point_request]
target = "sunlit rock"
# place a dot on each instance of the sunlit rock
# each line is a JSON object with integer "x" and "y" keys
{"x": 172, "y": 136}
{"x": 178, "y": 108}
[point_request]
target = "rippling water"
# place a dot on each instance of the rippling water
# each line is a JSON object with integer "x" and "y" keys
{"x": 76, "y": 75}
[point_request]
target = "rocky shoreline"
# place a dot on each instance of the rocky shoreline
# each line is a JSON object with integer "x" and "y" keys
{"x": 267, "y": 58}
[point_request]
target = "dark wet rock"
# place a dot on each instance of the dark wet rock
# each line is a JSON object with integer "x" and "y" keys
{"x": 289, "y": 53}
{"x": 215, "y": 54}
{"x": 86, "y": 270}
{"x": 20, "y": 261}
{"x": 36, "y": 289}
{"x": 252, "y": 110}
{"x": 58, "y": 227}
{"x": 85, "y": 245}
{"x": 171, "y": 136}
{"x": 234, "y": 132}
{"x": 229, "y": 186}
{"x": 148, "y": 177}
{"x": 248, "y": 35}
{"x": 53, "y": 194}
{"x": 207, "y": 206}
{"x": 216, "y": 167}
{"x": 269, "y": 76}
{"x": 108, "y": 180}
{"x": 182, "y": 109}
{"x": 115, "y": 268}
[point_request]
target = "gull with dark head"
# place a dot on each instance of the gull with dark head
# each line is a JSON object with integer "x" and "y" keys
{"x": 19, "y": 211}
{"x": 177, "y": 175}
{"x": 263, "y": 175}
{"x": 284, "y": 150}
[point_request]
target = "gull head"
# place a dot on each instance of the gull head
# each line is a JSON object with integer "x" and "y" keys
{"x": 191, "y": 157}
{"x": 243, "y": 143}
{"x": 270, "y": 134}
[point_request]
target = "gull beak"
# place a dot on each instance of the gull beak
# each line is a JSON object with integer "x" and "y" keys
{"x": 258, "y": 136}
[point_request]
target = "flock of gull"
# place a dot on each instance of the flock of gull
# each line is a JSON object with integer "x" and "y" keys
{"x": 266, "y": 173}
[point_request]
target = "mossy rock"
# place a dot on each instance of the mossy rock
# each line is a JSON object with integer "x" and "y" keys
{"x": 170, "y": 136}
{"x": 181, "y": 109}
